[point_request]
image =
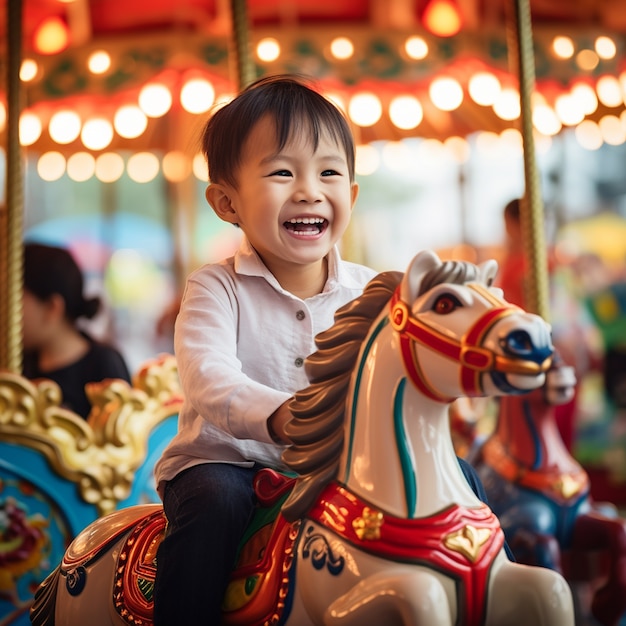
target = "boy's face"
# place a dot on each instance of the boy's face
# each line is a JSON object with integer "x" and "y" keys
{"x": 293, "y": 205}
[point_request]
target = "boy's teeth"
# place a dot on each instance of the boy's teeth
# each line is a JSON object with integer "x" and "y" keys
{"x": 306, "y": 220}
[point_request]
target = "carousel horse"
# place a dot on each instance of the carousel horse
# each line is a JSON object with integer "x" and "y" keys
{"x": 542, "y": 496}
{"x": 378, "y": 524}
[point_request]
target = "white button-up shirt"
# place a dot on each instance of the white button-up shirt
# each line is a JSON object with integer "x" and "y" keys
{"x": 240, "y": 342}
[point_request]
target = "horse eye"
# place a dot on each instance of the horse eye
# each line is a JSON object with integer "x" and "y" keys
{"x": 446, "y": 304}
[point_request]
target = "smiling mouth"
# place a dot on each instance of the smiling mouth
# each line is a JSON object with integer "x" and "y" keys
{"x": 306, "y": 225}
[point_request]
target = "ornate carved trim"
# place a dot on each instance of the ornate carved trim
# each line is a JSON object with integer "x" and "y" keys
{"x": 100, "y": 454}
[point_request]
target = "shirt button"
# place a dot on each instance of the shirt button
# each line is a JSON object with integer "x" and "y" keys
{"x": 299, "y": 362}
{"x": 300, "y": 315}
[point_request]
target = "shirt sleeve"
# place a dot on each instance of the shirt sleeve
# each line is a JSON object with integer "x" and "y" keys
{"x": 211, "y": 374}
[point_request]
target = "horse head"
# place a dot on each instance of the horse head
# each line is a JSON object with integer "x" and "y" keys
{"x": 450, "y": 311}
{"x": 393, "y": 361}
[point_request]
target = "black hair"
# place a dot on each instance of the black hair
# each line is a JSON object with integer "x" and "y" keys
{"x": 294, "y": 105}
{"x": 512, "y": 209}
{"x": 50, "y": 270}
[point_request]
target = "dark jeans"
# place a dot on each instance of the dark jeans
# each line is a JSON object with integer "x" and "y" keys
{"x": 208, "y": 508}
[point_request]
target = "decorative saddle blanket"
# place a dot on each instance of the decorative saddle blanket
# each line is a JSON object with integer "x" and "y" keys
{"x": 257, "y": 590}
{"x": 133, "y": 585}
{"x": 461, "y": 542}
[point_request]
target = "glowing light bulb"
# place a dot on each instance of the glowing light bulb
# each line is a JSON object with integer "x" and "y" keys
{"x": 268, "y": 49}
{"x": 130, "y": 121}
{"x": 64, "y": 126}
{"x": 446, "y": 93}
{"x": 365, "y": 109}
{"x": 342, "y": 48}
{"x": 442, "y": 18}
{"x": 155, "y": 100}
{"x": 406, "y": 112}
{"x": 197, "y": 95}
{"x": 52, "y": 36}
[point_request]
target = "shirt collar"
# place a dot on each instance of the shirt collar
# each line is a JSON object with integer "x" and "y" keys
{"x": 248, "y": 263}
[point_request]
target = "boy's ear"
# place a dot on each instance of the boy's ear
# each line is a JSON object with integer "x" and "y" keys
{"x": 355, "y": 193}
{"x": 219, "y": 197}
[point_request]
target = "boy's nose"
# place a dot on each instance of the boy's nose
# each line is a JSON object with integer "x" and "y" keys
{"x": 308, "y": 191}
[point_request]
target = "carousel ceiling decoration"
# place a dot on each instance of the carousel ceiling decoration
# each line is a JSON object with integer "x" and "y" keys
{"x": 143, "y": 74}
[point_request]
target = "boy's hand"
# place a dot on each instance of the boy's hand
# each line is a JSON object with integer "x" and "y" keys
{"x": 276, "y": 424}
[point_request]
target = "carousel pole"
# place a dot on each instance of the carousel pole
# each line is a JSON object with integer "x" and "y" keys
{"x": 245, "y": 67}
{"x": 11, "y": 217}
{"x": 521, "y": 53}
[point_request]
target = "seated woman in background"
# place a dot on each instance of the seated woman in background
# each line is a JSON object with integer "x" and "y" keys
{"x": 54, "y": 346}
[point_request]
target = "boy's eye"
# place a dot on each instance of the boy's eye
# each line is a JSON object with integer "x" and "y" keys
{"x": 281, "y": 173}
{"x": 330, "y": 173}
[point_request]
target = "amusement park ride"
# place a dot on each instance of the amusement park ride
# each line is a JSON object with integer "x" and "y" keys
{"x": 376, "y": 524}
{"x": 379, "y": 526}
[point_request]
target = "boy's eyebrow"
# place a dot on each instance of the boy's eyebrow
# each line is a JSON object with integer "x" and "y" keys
{"x": 279, "y": 155}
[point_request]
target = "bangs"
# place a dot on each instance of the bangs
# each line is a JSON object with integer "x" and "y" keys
{"x": 295, "y": 107}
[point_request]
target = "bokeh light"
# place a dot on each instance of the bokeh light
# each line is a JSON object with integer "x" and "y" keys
{"x": 507, "y": 105}
{"x": 268, "y": 49}
{"x": 199, "y": 167}
{"x": 406, "y": 112}
{"x": 367, "y": 160}
{"x": 341, "y": 48}
{"x": 130, "y": 121}
{"x": 30, "y": 128}
{"x": 52, "y": 36}
{"x": 81, "y": 166}
{"x": 51, "y": 166}
{"x": 176, "y": 166}
{"x": 416, "y": 48}
{"x": 609, "y": 91}
{"x": 64, "y": 126}
{"x": 563, "y": 47}
{"x": 365, "y": 109}
{"x": 446, "y": 93}
{"x": 197, "y": 95}
{"x": 97, "y": 133}
{"x": 109, "y": 167}
{"x": 142, "y": 167}
{"x": 99, "y": 62}
{"x": 155, "y": 99}
{"x": 588, "y": 135}
{"x": 28, "y": 70}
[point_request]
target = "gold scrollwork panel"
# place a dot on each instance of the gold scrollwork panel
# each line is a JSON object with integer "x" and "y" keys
{"x": 100, "y": 454}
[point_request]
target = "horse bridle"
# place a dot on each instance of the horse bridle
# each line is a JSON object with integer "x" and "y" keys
{"x": 473, "y": 358}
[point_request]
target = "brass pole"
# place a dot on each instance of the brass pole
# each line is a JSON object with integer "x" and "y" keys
{"x": 521, "y": 54}
{"x": 245, "y": 67}
{"x": 11, "y": 217}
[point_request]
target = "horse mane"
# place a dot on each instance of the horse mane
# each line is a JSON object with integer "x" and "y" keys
{"x": 317, "y": 427}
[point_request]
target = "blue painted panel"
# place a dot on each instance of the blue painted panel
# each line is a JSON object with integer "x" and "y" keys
{"x": 40, "y": 513}
{"x": 143, "y": 490}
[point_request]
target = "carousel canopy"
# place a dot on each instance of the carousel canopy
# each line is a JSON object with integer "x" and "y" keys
{"x": 378, "y": 58}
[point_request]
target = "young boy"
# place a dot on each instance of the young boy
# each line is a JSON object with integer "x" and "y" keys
{"x": 281, "y": 166}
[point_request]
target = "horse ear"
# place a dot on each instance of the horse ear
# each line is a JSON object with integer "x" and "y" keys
{"x": 422, "y": 262}
{"x": 488, "y": 271}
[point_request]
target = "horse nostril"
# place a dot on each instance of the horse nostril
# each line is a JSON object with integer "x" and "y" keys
{"x": 518, "y": 342}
